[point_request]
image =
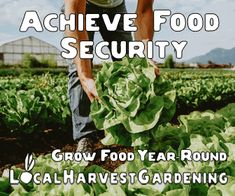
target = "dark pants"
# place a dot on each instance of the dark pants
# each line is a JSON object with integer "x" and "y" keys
{"x": 79, "y": 102}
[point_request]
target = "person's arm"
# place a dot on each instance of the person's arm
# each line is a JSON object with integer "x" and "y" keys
{"x": 144, "y": 23}
{"x": 144, "y": 20}
{"x": 83, "y": 65}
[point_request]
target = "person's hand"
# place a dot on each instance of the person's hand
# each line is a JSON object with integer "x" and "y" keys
{"x": 154, "y": 64}
{"x": 89, "y": 87}
{"x": 150, "y": 61}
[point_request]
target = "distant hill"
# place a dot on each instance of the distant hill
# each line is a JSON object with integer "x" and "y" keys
{"x": 218, "y": 55}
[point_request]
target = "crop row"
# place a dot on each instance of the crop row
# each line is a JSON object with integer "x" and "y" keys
{"x": 28, "y": 81}
{"x": 35, "y": 109}
{"x": 203, "y": 92}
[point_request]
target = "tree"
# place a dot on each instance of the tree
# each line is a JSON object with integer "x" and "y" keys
{"x": 169, "y": 62}
{"x": 48, "y": 61}
{"x": 30, "y": 61}
{"x": 210, "y": 62}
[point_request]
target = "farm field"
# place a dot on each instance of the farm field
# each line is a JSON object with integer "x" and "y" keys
{"x": 31, "y": 103}
{"x": 35, "y": 117}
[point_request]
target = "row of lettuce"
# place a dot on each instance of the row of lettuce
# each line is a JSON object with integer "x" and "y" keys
{"x": 32, "y": 103}
{"x": 199, "y": 132}
{"x": 209, "y": 90}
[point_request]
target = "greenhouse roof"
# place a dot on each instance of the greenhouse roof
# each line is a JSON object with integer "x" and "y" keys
{"x": 23, "y": 37}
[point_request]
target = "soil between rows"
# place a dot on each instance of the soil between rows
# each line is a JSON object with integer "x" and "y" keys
{"x": 15, "y": 147}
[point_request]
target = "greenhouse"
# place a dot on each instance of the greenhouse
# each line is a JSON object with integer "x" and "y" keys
{"x": 12, "y": 52}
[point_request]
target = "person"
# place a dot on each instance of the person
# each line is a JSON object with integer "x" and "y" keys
{"x": 81, "y": 85}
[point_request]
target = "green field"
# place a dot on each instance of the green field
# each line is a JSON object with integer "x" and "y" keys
{"x": 204, "y": 121}
{"x": 31, "y": 102}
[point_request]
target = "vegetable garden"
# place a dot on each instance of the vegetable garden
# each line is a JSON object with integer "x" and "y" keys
{"x": 181, "y": 109}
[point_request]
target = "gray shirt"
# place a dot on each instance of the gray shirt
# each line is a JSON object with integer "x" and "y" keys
{"x": 106, "y": 3}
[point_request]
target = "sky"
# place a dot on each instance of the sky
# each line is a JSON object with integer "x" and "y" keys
{"x": 12, "y": 12}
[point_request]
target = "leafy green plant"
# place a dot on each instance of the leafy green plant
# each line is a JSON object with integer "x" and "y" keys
{"x": 130, "y": 98}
